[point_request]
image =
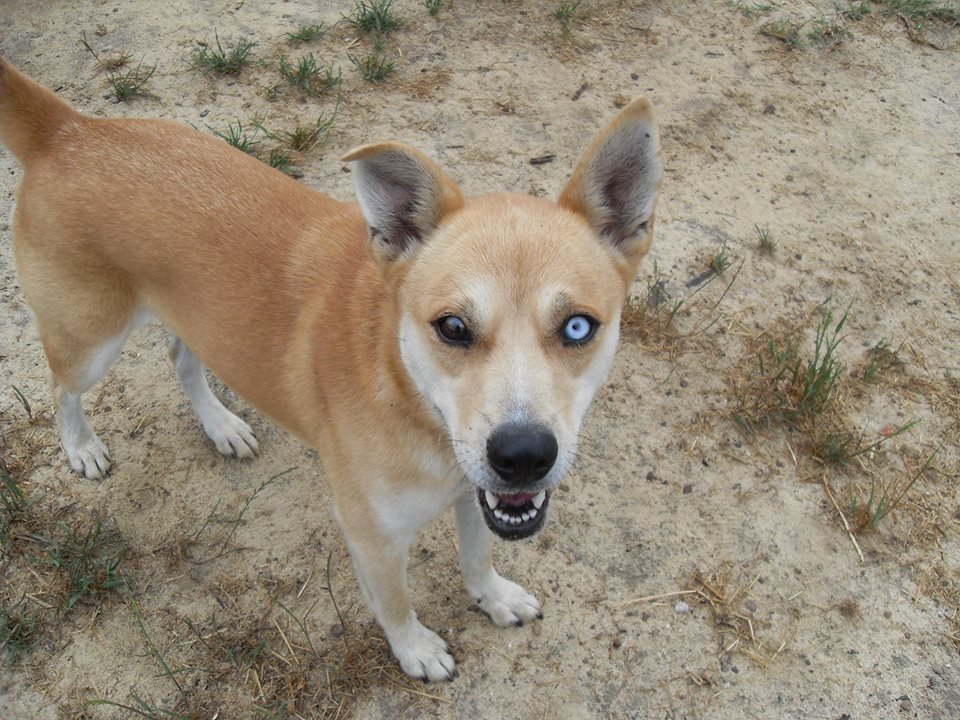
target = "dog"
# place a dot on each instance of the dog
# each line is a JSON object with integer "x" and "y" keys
{"x": 435, "y": 349}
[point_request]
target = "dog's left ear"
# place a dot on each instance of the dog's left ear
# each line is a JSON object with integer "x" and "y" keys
{"x": 403, "y": 195}
{"x": 614, "y": 185}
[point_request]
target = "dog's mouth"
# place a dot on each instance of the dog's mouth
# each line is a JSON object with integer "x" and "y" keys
{"x": 514, "y": 517}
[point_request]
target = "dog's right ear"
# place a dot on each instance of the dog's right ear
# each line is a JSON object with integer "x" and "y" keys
{"x": 402, "y": 194}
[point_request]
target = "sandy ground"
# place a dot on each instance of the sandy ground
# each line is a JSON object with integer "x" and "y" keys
{"x": 691, "y": 569}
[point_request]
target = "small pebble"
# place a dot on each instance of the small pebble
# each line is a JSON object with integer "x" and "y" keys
{"x": 688, "y": 488}
{"x": 750, "y": 605}
{"x": 681, "y": 608}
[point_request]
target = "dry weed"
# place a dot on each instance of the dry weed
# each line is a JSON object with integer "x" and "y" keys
{"x": 733, "y": 614}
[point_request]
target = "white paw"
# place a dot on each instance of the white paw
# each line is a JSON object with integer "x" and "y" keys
{"x": 506, "y": 602}
{"x": 232, "y": 436}
{"x": 88, "y": 456}
{"x": 422, "y": 653}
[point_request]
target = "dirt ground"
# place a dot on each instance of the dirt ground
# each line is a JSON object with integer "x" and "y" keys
{"x": 708, "y": 557}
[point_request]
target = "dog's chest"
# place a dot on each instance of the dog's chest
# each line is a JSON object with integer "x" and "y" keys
{"x": 402, "y": 511}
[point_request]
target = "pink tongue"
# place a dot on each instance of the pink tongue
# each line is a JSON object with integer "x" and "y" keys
{"x": 515, "y": 500}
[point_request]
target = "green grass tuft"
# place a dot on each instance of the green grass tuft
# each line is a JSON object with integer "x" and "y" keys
{"x": 432, "y": 6}
{"x": 788, "y": 387}
{"x": 375, "y": 17}
{"x": 765, "y": 242}
{"x": 222, "y": 61}
{"x": 89, "y": 561}
{"x": 129, "y": 85}
{"x": 566, "y": 13}
{"x": 308, "y": 76}
{"x": 306, "y": 33}
{"x": 239, "y": 137}
{"x": 721, "y": 261}
{"x": 374, "y": 67}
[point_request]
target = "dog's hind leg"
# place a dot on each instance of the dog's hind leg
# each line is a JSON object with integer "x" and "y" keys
{"x": 504, "y": 601}
{"x": 76, "y": 366}
{"x": 230, "y": 434}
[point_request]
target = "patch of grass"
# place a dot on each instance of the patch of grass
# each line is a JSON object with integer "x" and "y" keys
{"x": 432, "y": 6}
{"x": 239, "y": 136}
{"x": 886, "y": 494}
{"x": 566, "y": 13}
{"x": 129, "y": 85}
{"x": 374, "y": 67}
{"x": 721, "y": 260}
{"x": 22, "y": 399}
{"x": 304, "y": 137}
{"x": 753, "y": 8}
{"x": 786, "y": 31}
{"x": 880, "y": 358}
{"x": 837, "y": 447}
{"x": 18, "y": 629}
{"x": 829, "y": 31}
{"x": 789, "y": 387}
{"x": 305, "y": 33}
{"x": 650, "y": 317}
{"x": 89, "y": 562}
{"x": 375, "y": 17}
{"x": 104, "y": 62}
{"x": 279, "y": 159}
{"x": 728, "y": 601}
{"x": 14, "y": 503}
{"x": 857, "y": 11}
{"x": 921, "y": 10}
{"x": 222, "y": 61}
{"x": 766, "y": 245}
{"x": 308, "y": 76}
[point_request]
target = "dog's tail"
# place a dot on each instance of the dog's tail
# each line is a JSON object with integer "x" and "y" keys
{"x": 29, "y": 112}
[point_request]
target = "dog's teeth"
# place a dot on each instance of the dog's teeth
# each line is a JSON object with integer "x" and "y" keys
{"x": 525, "y": 516}
{"x": 539, "y": 498}
{"x": 498, "y": 514}
{"x": 492, "y": 500}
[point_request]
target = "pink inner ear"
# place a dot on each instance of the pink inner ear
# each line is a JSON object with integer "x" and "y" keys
{"x": 614, "y": 185}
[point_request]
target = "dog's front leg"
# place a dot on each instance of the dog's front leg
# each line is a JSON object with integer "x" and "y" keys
{"x": 504, "y": 601}
{"x": 381, "y": 565}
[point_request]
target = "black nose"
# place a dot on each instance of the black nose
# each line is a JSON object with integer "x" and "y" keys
{"x": 521, "y": 453}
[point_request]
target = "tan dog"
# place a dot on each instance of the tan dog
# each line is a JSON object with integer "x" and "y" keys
{"x": 436, "y": 349}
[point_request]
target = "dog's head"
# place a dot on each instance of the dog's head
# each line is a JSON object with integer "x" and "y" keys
{"x": 510, "y": 305}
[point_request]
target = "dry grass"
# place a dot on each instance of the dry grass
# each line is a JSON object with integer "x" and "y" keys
{"x": 653, "y": 318}
{"x": 265, "y": 662}
{"x": 734, "y": 615}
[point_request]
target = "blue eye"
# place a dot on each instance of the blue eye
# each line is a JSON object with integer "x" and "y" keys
{"x": 578, "y": 329}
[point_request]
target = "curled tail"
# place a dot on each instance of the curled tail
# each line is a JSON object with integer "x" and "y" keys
{"x": 29, "y": 112}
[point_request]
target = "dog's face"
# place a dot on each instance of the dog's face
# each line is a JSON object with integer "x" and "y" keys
{"x": 509, "y": 322}
{"x": 509, "y": 306}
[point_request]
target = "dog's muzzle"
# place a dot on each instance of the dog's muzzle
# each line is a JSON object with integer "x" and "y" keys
{"x": 521, "y": 455}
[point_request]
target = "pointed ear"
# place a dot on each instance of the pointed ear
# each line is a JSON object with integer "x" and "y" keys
{"x": 402, "y": 195}
{"x": 614, "y": 185}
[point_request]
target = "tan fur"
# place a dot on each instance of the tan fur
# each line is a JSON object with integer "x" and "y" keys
{"x": 272, "y": 286}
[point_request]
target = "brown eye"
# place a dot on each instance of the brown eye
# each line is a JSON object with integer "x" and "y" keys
{"x": 453, "y": 330}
